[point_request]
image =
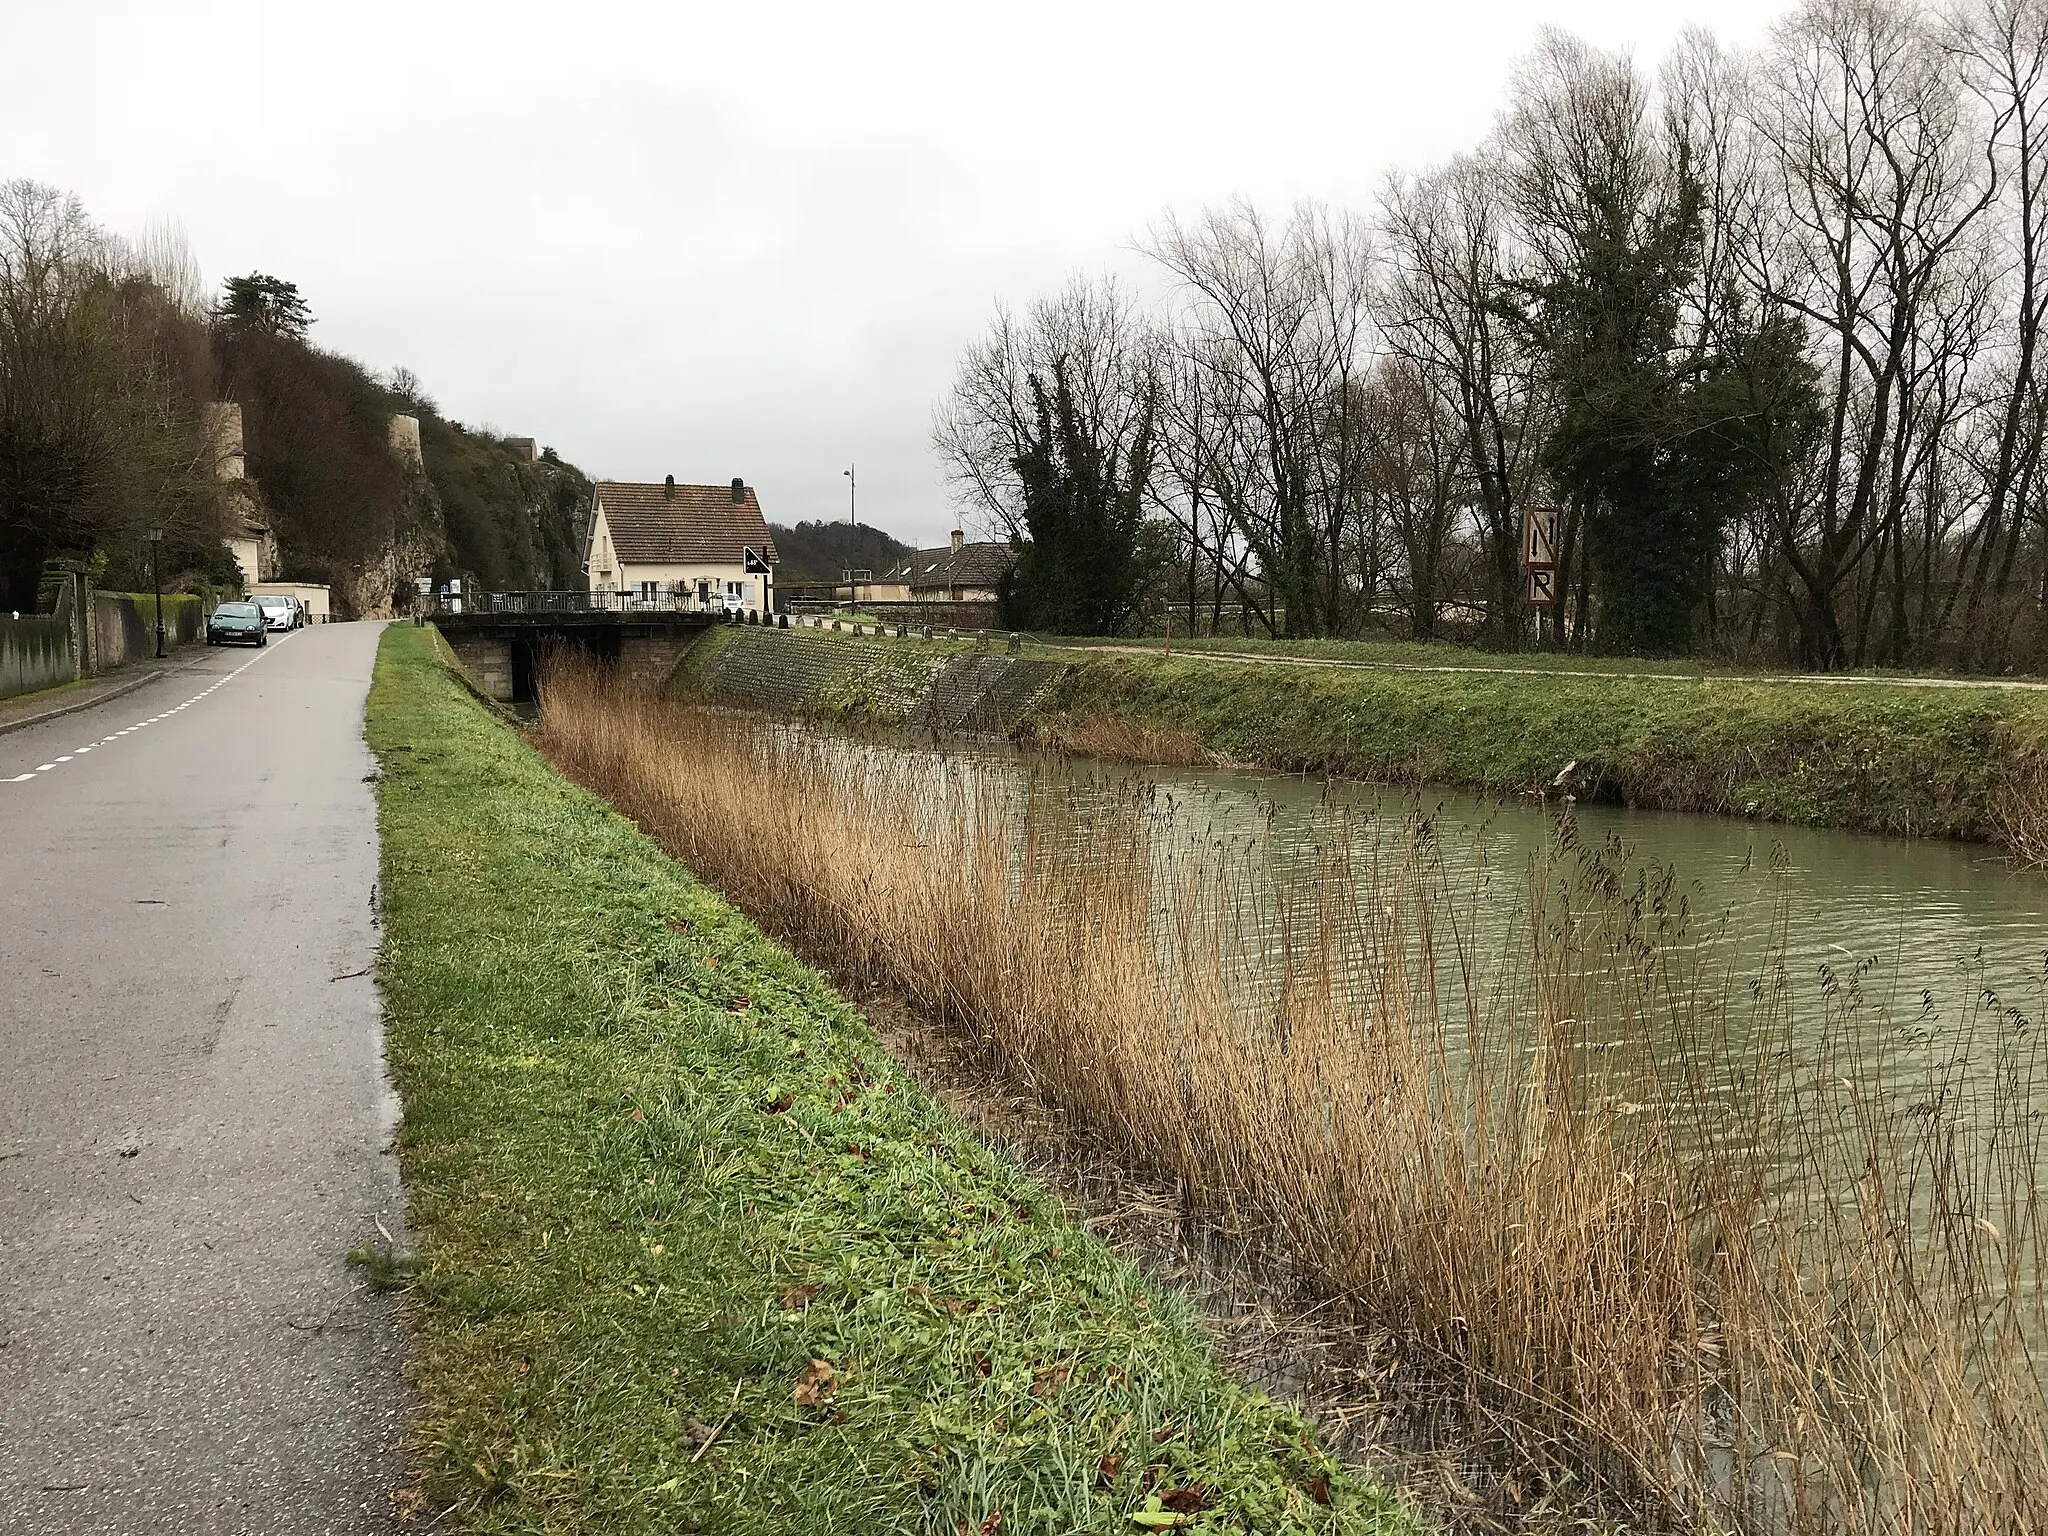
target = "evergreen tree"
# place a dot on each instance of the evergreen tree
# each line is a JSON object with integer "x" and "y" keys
{"x": 1658, "y": 439}
{"x": 1086, "y": 555}
{"x": 267, "y": 304}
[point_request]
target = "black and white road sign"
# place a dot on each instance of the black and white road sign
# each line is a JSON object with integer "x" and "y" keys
{"x": 754, "y": 563}
{"x": 1539, "y": 539}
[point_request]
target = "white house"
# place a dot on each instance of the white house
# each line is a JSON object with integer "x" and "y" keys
{"x": 708, "y": 543}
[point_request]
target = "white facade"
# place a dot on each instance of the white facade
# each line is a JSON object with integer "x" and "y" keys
{"x": 707, "y": 583}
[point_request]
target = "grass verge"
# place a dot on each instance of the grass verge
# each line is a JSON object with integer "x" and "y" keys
{"x": 694, "y": 1253}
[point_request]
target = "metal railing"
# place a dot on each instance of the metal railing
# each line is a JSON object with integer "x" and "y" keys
{"x": 626, "y": 602}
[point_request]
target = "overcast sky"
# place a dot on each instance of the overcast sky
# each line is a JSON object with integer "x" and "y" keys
{"x": 742, "y": 239}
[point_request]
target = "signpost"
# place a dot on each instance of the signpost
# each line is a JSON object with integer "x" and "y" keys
{"x": 1539, "y": 539}
{"x": 1539, "y": 562}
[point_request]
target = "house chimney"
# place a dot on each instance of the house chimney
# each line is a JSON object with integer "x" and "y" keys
{"x": 739, "y": 491}
{"x": 959, "y": 539}
{"x": 668, "y": 489}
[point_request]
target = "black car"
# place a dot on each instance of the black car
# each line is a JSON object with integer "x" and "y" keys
{"x": 236, "y": 624}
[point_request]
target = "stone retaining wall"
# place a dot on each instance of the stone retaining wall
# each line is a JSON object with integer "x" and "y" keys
{"x": 35, "y": 653}
{"x": 910, "y": 684}
{"x": 124, "y": 626}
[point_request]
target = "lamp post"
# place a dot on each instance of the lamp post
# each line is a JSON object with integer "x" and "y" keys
{"x": 156, "y": 580}
{"x": 852, "y": 592}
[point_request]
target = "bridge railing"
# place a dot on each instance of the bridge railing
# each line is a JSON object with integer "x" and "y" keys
{"x": 628, "y": 602}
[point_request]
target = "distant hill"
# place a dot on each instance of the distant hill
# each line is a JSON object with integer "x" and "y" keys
{"x": 820, "y": 551}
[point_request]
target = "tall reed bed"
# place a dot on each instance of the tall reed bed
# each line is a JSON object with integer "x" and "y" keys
{"x": 1578, "y": 1175}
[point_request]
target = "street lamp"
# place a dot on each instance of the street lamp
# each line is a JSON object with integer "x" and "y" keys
{"x": 852, "y": 593}
{"x": 156, "y": 580}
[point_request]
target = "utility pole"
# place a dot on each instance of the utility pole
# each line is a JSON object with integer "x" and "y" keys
{"x": 156, "y": 580}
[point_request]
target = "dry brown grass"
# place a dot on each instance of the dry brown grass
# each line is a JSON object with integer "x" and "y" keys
{"x": 1119, "y": 739}
{"x": 2023, "y": 807}
{"x": 1804, "y": 1306}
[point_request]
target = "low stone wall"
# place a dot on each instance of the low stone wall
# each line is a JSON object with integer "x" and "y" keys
{"x": 35, "y": 653}
{"x": 124, "y": 626}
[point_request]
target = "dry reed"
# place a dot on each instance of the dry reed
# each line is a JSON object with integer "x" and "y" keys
{"x": 2023, "y": 807}
{"x": 1119, "y": 739}
{"x": 1806, "y": 1306}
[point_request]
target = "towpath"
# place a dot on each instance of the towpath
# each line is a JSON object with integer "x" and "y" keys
{"x": 194, "y": 1117}
{"x": 1509, "y": 669}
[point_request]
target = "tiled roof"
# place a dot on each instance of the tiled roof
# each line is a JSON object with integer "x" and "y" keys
{"x": 701, "y": 524}
{"x": 971, "y": 565}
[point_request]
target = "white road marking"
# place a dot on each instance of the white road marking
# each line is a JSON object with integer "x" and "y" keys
{"x": 23, "y": 778}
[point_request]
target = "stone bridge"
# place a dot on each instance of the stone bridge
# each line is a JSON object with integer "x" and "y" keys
{"x": 504, "y": 638}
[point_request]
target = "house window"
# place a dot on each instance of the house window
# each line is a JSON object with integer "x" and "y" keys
{"x": 732, "y": 589}
{"x": 649, "y": 591}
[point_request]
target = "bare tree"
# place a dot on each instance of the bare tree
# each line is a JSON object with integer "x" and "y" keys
{"x": 1091, "y": 332}
{"x": 1448, "y": 246}
{"x": 1879, "y": 181}
{"x": 1279, "y": 323}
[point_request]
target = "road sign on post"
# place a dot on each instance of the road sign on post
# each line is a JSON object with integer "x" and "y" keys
{"x": 1539, "y": 539}
{"x": 1539, "y": 561}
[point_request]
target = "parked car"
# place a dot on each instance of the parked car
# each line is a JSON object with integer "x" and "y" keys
{"x": 236, "y": 624}
{"x": 280, "y": 610}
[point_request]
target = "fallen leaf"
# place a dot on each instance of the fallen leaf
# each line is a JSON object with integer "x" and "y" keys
{"x": 1048, "y": 1380}
{"x": 634, "y": 1114}
{"x": 795, "y": 1298}
{"x": 1107, "y": 1468}
{"x": 1191, "y": 1500}
{"x": 1319, "y": 1487}
{"x": 816, "y": 1385}
{"x": 982, "y": 1365}
{"x": 777, "y": 1106}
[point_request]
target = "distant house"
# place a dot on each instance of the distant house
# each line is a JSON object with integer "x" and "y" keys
{"x": 704, "y": 542}
{"x": 959, "y": 572}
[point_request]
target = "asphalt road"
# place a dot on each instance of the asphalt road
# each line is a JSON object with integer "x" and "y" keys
{"x": 195, "y": 1120}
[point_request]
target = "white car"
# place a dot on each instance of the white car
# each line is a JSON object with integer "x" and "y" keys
{"x": 280, "y": 611}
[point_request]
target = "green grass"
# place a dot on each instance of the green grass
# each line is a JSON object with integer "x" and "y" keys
{"x": 1445, "y": 653}
{"x": 1919, "y": 762}
{"x": 1399, "y": 653}
{"x": 658, "y": 1171}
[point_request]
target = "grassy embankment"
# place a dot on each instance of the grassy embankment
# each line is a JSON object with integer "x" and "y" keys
{"x": 696, "y": 1255}
{"x": 1937, "y": 762}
